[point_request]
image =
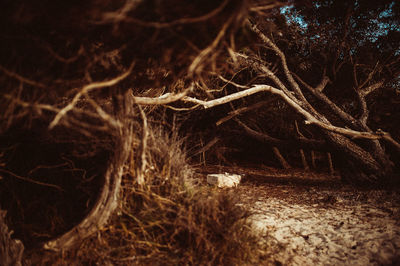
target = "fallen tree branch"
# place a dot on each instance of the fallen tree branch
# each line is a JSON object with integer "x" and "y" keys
{"x": 362, "y": 93}
{"x": 357, "y": 124}
{"x": 310, "y": 119}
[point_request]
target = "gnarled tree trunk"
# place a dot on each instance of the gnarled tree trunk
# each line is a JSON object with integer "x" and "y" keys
{"x": 107, "y": 201}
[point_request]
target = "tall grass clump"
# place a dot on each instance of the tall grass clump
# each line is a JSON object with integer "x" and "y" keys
{"x": 171, "y": 219}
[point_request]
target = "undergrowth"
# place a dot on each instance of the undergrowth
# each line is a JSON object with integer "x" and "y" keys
{"x": 170, "y": 220}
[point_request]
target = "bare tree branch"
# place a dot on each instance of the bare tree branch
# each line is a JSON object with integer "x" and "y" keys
{"x": 292, "y": 82}
{"x": 226, "y": 99}
{"x": 365, "y": 91}
{"x": 161, "y": 100}
{"x": 350, "y": 120}
{"x": 121, "y": 15}
{"x": 299, "y": 142}
{"x": 310, "y": 119}
{"x": 21, "y": 78}
{"x": 239, "y": 111}
{"x": 195, "y": 65}
{"x": 86, "y": 89}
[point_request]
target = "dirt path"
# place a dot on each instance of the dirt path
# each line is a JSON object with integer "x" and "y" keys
{"x": 312, "y": 219}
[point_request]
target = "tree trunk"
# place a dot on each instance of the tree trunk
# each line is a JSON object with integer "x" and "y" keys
{"x": 109, "y": 196}
{"x": 357, "y": 163}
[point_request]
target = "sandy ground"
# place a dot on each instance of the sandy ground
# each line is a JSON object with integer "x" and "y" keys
{"x": 313, "y": 219}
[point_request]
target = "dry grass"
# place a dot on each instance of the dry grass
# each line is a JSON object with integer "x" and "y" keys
{"x": 170, "y": 220}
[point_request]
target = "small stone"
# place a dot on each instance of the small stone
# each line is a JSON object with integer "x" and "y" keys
{"x": 224, "y": 180}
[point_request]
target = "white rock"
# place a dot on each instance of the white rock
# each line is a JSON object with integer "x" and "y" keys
{"x": 224, "y": 180}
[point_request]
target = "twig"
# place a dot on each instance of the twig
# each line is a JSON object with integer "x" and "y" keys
{"x": 194, "y": 66}
{"x": 31, "y": 180}
{"x": 266, "y": 7}
{"x": 239, "y": 111}
{"x": 116, "y": 17}
{"x": 86, "y": 89}
{"x": 21, "y": 78}
{"x": 282, "y": 57}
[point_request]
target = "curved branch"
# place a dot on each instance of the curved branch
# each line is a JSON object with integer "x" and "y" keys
{"x": 86, "y": 89}
{"x": 310, "y": 119}
{"x": 301, "y": 142}
{"x": 317, "y": 92}
{"x": 292, "y": 82}
{"x": 121, "y": 16}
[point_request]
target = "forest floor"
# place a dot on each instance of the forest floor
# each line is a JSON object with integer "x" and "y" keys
{"x": 314, "y": 219}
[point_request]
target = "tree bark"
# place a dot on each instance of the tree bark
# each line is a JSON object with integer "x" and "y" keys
{"x": 107, "y": 202}
{"x": 11, "y": 250}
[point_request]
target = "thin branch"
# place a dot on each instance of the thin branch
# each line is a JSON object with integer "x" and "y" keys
{"x": 60, "y": 58}
{"x": 38, "y": 107}
{"x": 232, "y": 83}
{"x": 253, "y": 62}
{"x": 31, "y": 180}
{"x": 280, "y": 158}
{"x": 365, "y": 91}
{"x": 206, "y": 147}
{"x": 121, "y": 16}
{"x": 266, "y": 7}
{"x": 300, "y": 142}
{"x": 350, "y": 120}
{"x": 282, "y": 57}
{"x": 103, "y": 114}
{"x": 194, "y": 66}
{"x": 239, "y": 111}
{"x": 86, "y": 89}
{"x": 370, "y": 75}
{"x": 355, "y": 79}
{"x": 21, "y": 78}
{"x": 363, "y": 103}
